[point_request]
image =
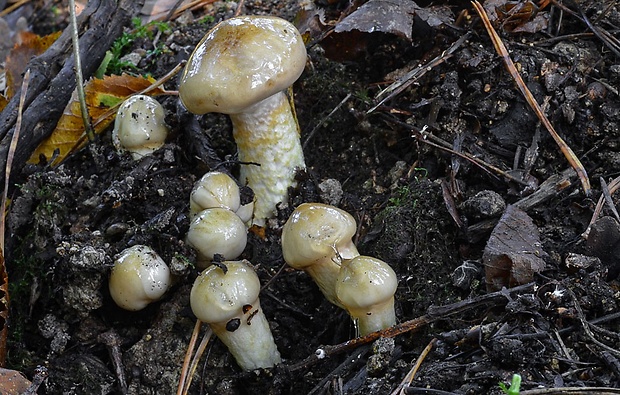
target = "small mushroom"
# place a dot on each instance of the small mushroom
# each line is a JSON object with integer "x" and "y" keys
{"x": 225, "y": 296}
{"x": 315, "y": 239}
{"x": 366, "y": 288}
{"x": 216, "y": 231}
{"x": 139, "y": 277}
{"x": 241, "y": 67}
{"x": 139, "y": 126}
{"x": 217, "y": 189}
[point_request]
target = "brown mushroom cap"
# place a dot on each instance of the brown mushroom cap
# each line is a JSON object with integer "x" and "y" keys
{"x": 240, "y": 62}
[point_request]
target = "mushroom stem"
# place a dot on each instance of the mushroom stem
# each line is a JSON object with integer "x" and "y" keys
{"x": 269, "y": 150}
{"x": 252, "y": 334}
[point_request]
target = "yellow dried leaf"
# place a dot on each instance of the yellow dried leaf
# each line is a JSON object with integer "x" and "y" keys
{"x": 102, "y": 95}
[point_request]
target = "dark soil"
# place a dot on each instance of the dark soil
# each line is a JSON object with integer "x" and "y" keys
{"x": 425, "y": 211}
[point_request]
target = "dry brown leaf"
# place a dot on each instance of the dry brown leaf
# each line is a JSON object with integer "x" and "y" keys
{"x": 31, "y": 45}
{"x": 513, "y": 253}
{"x": 13, "y": 382}
{"x": 393, "y": 16}
{"x": 101, "y": 96}
{"x": 3, "y": 102}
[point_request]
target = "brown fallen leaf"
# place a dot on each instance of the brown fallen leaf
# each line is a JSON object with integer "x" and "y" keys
{"x": 13, "y": 382}
{"x": 31, "y": 45}
{"x": 392, "y": 16}
{"x": 513, "y": 252}
{"x": 101, "y": 96}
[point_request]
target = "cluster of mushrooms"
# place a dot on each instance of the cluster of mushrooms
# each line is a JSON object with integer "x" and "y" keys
{"x": 242, "y": 67}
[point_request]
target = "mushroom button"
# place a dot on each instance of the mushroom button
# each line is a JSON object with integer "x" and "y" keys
{"x": 216, "y": 231}
{"x": 366, "y": 288}
{"x": 241, "y": 68}
{"x": 139, "y": 126}
{"x": 315, "y": 239}
{"x": 217, "y": 189}
{"x": 139, "y": 277}
{"x": 225, "y": 296}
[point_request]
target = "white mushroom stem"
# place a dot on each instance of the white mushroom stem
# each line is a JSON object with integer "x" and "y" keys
{"x": 216, "y": 231}
{"x": 366, "y": 288}
{"x": 139, "y": 126}
{"x": 315, "y": 239}
{"x": 139, "y": 277}
{"x": 225, "y": 296}
{"x": 267, "y": 136}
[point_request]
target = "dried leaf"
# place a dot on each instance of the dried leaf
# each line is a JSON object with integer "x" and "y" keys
{"x": 392, "y": 16}
{"x": 13, "y": 382}
{"x": 20, "y": 55}
{"x": 101, "y": 95}
{"x": 514, "y": 252}
{"x": 3, "y": 102}
{"x": 516, "y": 16}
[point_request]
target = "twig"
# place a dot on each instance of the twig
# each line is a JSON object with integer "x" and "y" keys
{"x": 320, "y": 123}
{"x": 113, "y": 342}
{"x": 608, "y": 199}
{"x": 11, "y": 155}
{"x": 434, "y": 313}
{"x": 503, "y": 52}
{"x": 612, "y": 187}
{"x": 188, "y": 356}
{"x": 79, "y": 79}
{"x": 402, "y": 387}
{"x": 412, "y": 76}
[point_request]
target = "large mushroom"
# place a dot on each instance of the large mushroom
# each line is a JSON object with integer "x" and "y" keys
{"x": 241, "y": 67}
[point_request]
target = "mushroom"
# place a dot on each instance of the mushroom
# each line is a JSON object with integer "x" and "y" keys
{"x": 139, "y": 126}
{"x": 225, "y": 296}
{"x": 217, "y": 189}
{"x": 315, "y": 239}
{"x": 366, "y": 287}
{"x": 139, "y": 277}
{"x": 216, "y": 231}
{"x": 241, "y": 67}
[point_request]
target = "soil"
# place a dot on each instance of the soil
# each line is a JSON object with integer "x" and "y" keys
{"x": 427, "y": 212}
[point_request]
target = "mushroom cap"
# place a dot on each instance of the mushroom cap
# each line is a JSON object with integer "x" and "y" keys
{"x": 364, "y": 282}
{"x": 240, "y": 62}
{"x": 139, "y": 277}
{"x": 315, "y": 232}
{"x": 214, "y": 189}
{"x": 220, "y": 295}
{"x": 217, "y": 231}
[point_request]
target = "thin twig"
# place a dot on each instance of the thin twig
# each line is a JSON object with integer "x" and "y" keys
{"x": 11, "y": 155}
{"x": 503, "y": 52}
{"x": 188, "y": 356}
{"x": 608, "y": 199}
{"x": 400, "y": 390}
{"x": 79, "y": 79}
{"x": 322, "y": 121}
{"x": 434, "y": 313}
{"x": 405, "y": 81}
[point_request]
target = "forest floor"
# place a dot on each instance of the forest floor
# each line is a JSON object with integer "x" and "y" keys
{"x": 448, "y": 179}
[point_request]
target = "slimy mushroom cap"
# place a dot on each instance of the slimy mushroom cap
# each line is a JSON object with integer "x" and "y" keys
{"x": 240, "y": 62}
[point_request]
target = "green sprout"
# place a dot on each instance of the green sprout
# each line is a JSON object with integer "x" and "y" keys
{"x": 112, "y": 63}
{"x": 514, "y": 385}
